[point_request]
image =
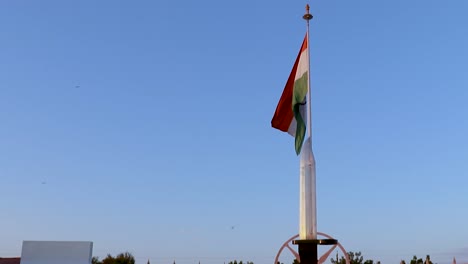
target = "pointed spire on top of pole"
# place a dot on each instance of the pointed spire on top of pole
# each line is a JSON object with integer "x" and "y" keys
{"x": 308, "y": 16}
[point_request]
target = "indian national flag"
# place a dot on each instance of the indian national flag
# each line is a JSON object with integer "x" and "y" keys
{"x": 290, "y": 114}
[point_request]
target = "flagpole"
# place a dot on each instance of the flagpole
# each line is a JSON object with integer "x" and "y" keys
{"x": 307, "y": 196}
{"x": 311, "y": 209}
{"x": 308, "y": 242}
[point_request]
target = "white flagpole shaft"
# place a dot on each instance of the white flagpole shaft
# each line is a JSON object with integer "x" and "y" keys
{"x": 307, "y": 199}
{"x": 307, "y": 181}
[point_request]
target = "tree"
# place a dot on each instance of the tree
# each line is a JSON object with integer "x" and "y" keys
{"x": 240, "y": 262}
{"x": 354, "y": 258}
{"x": 125, "y": 258}
{"x": 109, "y": 259}
{"x": 428, "y": 260}
{"x": 417, "y": 260}
{"x": 95, "y": 260}
{"x": 122, "y": 258}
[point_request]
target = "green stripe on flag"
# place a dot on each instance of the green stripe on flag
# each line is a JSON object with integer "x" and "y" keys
{"x": 299, "y": 94}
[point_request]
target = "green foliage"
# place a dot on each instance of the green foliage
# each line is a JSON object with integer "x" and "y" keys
{"x": 354, "y": 258}
{"x": 95, "y": 260}
{"x": 417, "y": 260}
{"x": 240, "y": 262}
{"x": 428, "y": 259}
{"x": 122, "y": 258}
{"x": 108, "y": 260}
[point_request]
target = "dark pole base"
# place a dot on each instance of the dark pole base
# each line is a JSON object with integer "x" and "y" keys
{"x": 308, "y": 253}
{"x": 308, "y": 249}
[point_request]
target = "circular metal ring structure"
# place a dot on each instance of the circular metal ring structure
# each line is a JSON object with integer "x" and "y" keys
{"x": 322, "y": 259}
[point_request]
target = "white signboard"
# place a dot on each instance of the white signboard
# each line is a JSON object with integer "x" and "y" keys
{"x": 56, "y": 252}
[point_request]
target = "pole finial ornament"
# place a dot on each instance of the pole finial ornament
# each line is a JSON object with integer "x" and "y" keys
{"x": 308, "y": 16}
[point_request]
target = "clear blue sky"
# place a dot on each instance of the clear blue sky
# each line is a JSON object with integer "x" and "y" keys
{"x": 145, "y": 126}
